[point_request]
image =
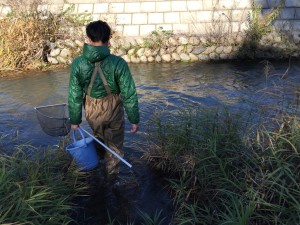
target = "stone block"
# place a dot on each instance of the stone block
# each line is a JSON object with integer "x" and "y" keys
{"x": 227, "y": 4}
{"x": 139, "y": 18}
{"x": 172, "y": 17}
{"x": 60, "y": 2}
{"x": 75, "y": 1}
{"x": 118, "y": 29}
{"x": 168, "y": 27}
{"x": 148, "y": 7}
{"x": 132, "y": 7}
{"x": 116, "y": 7}
{"x": 208, "y": 4}
{"x": 109, "y": 18}
{"x": 197, "y": 28}
{"x": 131, "y": 30}
{"x": 298, "y": 13}
{"x": 5, "y": 10}
{"x": 154, "y": 18}
{"x": 204, "y": 16}
{"x": 96, "y": 17}
{"x": 238, "y": 27}
{"x": 295, "y": 25}
{"x": 194, "y": 5}
{"x": 180, "y": 28}
{"x": 146, "y": 29}
{"x": 288, "y": 14}
{"x": 179, "y": 6}
{"x": 123, "y": 19}
{"x": 292, "y": 3}
{"x": 264, "y": 3}
{"x": 85, "y": 8}
{"x": 243, "y": 4}
{"x": 273, "y": 3}
{"x": 238, "y": 15}
{"x": 188, "y": 17}
{"x": 164, "y": 6}
{"x": 101, "y": 8}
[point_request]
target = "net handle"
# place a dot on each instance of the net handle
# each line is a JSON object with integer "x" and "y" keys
{"x": 44, "y": 106}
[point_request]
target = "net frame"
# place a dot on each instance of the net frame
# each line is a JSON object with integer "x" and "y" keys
{"x": 54, "y": 119}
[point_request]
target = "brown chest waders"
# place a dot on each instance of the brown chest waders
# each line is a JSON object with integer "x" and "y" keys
{"x": 106, "y": 118}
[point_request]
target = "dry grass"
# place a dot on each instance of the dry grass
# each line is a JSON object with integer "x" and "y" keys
{"x": 22, "y": 42}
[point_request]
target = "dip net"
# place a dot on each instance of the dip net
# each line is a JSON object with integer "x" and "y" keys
{"x": 54, "y": 119}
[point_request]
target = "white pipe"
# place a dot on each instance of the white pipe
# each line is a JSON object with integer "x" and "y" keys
{"x": 110, "y": 150}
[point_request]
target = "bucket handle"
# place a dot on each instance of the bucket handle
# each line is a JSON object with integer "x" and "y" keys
{"x": 81, "y": 133}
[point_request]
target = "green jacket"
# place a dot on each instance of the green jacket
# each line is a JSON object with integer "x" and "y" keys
{"x": 117, "y": 74}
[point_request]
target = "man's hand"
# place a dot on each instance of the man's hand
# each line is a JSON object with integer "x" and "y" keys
{"x": 134, "y": 128}
{"x": 74, "y": 127}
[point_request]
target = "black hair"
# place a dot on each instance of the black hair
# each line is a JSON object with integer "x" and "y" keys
{"x": 98, "y": 31}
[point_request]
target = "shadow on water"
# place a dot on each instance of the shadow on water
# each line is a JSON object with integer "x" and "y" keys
{"x": 166, "y": 86}
{"x": 143, "y": 193}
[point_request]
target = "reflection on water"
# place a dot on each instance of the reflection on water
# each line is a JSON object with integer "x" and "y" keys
{"x": 158, "y": 85}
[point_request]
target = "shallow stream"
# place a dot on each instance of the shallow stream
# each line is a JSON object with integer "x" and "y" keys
{"x": 236, "y": 85}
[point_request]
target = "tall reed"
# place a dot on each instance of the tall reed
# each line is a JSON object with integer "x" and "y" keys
{"x": 222, "y": 171}
{"x": 38, "y": 186}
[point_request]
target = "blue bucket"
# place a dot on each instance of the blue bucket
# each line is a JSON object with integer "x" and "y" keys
{"x": 83, "y": 152}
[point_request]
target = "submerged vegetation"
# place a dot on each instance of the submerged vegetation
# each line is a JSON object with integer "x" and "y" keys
{"x": 229, "y": 167}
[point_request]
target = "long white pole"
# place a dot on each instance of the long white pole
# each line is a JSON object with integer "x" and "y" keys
{"x": 109, "y": 149}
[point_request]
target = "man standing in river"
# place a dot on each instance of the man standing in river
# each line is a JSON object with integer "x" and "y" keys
{"x": 107, "y": 85}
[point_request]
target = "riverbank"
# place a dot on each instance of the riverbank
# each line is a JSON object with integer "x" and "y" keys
{"x": 165, "y": 47}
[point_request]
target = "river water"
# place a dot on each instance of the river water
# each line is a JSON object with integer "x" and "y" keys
{"x": 237, "y": 85}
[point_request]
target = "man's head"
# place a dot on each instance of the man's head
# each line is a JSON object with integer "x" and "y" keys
{"x": 98, "y": 31}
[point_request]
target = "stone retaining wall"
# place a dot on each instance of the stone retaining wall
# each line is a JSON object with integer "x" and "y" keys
{"x": 202, "y": 30}
{"x": 180, "y": 48}
{"x": 133, "y": 18}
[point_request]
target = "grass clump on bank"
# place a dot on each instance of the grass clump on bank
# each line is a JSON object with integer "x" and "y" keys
{"x": 26, "y": 33}
{"x": 220, "y": 171}
{"x": 38, "y": 186}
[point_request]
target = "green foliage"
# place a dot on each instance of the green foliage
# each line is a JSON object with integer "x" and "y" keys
{"x": 76, "y": 19}
{"x": 37, "y": 186}
{"x": 157, "y": 38}
{"x": 217, "y": 177}
{"x": 258, "y": 25}
{"x": 154, "y": 220}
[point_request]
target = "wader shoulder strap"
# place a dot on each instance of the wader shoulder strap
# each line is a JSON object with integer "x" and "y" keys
{"x": 98, "y": 68}
{"x": 104, "y": 80}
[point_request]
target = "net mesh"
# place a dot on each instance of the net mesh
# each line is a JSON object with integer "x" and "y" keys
{"x": 54, "y": 119}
